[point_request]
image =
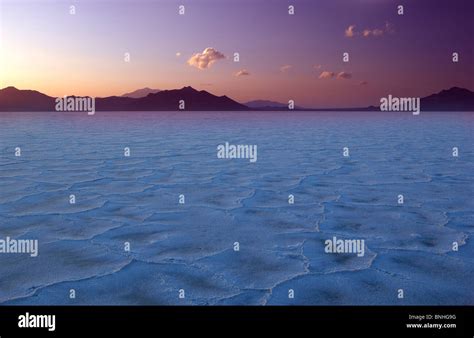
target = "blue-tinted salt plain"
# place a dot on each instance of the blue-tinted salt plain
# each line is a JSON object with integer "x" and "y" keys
{"x": 135, "y": 199}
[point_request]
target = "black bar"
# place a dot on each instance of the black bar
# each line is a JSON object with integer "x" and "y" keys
{"x": 381, "y": 320}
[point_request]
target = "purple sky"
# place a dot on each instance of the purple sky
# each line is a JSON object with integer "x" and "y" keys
{"x": 45, "y": 48}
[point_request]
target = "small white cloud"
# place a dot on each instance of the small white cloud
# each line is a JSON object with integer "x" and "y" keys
{"x": 206, "y": 58}
{"x": 350, "y": 31}
{"x": 285, "y": 68}
{"x": 326, "y": 75}
{"x": 375, "y": 32}
{"x": 242, "y": 72}
{"x": 178, "y": 54}
{"x": 344, "y": 76}
{"x": 387, "y": 29}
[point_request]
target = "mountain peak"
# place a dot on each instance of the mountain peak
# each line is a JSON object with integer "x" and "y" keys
{"x": 10, "y": 88}
{"x": 189, "y": 88}
{"x": 453, "y": 99}
{"x": 14, "y": 99}
{"x": 136, "y": 94}
{"x": 456, "y": 90}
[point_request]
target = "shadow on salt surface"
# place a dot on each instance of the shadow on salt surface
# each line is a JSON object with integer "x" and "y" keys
{"x": 13, "y": 189}
{"x": 321, "y": 262}
{"x": 56, "y": 262}
{"x": 48, "y": 229}
{"x": 279, "y": 199}
{"x": 139, "y": 283}
{"x": 426, "y": 279}
{"x": 239, "y": 274}
{"x": 366, "y": 287}
{"x": 251, "y": 268}
{"x": 414, "y": 228}
{"x": 110, "y": 186}
{"x": 165, "y": 236}
{"x": 55, "y": 202}
{"x": 439, "y": 271}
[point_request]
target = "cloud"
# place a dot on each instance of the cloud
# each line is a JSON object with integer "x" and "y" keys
{"x": 242, "y": 72}
{"x": 285, "y": 68}
{"x": 317, "y": 66}
{"x": 349, "y": 32}
{"x": 363, "y": 83}
{"x": 387, "y": 29}
{"x": 206, "y": 58}
{"x": 344, "y": 76}
{"x": 374, "y": 32}
{"x": 326, "y": 75}
{"x": 178, "y": 54}
{"x": 340, "y": 76}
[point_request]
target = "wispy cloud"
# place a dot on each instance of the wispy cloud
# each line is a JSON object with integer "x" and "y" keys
{"x": 178, "y": 54}
{"x": 242, "y": 72}
{"x": 344, "y": 76}
{"x": 206, "y": 58}
{"x": 326, "y": 75}
{"x": 285, "y": 68}
{"x": 374, "y": 32}
{"x": 363, "y": 83}
{"x": 330, "y": 75}
{"x": 351, "y": 31}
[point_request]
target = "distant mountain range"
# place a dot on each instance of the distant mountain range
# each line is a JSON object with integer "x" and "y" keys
{"x": 269, "y": 105}
{"x": 136, "y": 94}
{"x": 169, "y": 100}
{"x": 13, "y": 99}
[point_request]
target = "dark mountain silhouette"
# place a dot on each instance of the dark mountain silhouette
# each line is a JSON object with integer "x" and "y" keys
{"x": 136, "y": 94}
{"x": 453, "y": 99}
{"x": 169, "y": 100}
{"x": 12, "y": 99}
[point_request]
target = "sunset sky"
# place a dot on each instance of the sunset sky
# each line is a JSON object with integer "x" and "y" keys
{"x": 282, "y": 57}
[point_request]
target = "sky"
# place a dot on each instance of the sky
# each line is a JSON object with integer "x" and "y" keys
{"x": 282, "y": 57}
